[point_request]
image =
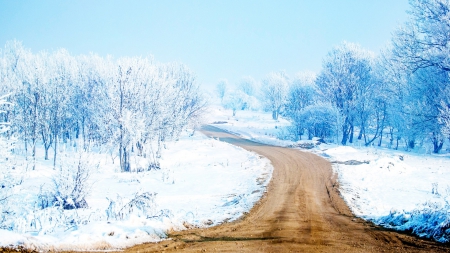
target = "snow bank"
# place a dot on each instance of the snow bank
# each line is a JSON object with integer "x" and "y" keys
{"x": 431, "y": 220}
{"x": 399, "y": 190}
{"x": 202, "y": 182}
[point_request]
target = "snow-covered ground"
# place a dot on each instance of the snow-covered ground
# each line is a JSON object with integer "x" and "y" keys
{"x": 202, "y": 182}
{"x": 409, "y": 191}
{"x": 399, "y": 190}
{"x": 252, "y": 125}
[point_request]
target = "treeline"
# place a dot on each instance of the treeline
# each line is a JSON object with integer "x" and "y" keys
{"x": 127, "y": 107}
{"x": 401, "y": 95}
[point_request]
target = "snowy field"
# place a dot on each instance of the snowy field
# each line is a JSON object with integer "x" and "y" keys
{"x": 408, "y": 191}
{"x": 202, "y": 182}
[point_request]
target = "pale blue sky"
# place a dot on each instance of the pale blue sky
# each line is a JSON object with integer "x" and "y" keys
{"x": 216, "y": 39}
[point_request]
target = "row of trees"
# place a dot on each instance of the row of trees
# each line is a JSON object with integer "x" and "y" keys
{"x": 402, "y": 94}
{"x": 127, "y": 107}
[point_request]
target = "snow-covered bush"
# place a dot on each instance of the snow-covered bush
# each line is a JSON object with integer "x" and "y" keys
{"x": 432, "y": 221}
{"x": 142, "y": 205}
{"x": 317, "y": 120}
{"x": 71, "y": 185}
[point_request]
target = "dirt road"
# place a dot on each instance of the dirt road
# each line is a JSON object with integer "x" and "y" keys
{"x": 301, "y": 212}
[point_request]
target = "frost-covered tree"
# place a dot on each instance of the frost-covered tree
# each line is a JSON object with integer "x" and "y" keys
{"x": 444, "y": 118}
{"x": 8, "y": 176}
{"x": 423, "y": 41}
{"x": 421, "y": 47}
{"x": 87, "y": 102}
{"x": 124, "y": 106}
{"x": 221, "y": 88}
{"x": 392, "y": 89}
{"x": 423, "y": 104}
{"x": 345, "y": 81}
{"x": 275, "y": 89}
{"x": 235, "y": 100}
{"x": 248, "y": 85}
{"x": 319, "y": 120}
{"x": 301, "y": 94}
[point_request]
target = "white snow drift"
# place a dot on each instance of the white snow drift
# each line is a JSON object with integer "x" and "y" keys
{"x": 202, "y": 182}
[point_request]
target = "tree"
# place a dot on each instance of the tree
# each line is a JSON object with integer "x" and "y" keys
{"x": 423, "y": 41}
{"x": 248, "y": 85}
{"x": 345, "y": 81}
{"x": 124, "y": 106}
{"x": 235, "y": 100}
{"x": 444, "y": 119}
{"x": 8, "y": 179}
{"x": 301, "y": 94}
{"x": 275, "y": 89}
{"x": 34, "y": 78}
{"x": 423, "y": 105}
{"x": 421, "y": 46}
{"x": 319, "y": 120}
{"x": 221, "y": 88}
{"x": 62, "y": 67}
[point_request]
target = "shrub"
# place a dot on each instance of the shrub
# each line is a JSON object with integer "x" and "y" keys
{"x": 71, "y": 185}
{"x": 142, "y": 205}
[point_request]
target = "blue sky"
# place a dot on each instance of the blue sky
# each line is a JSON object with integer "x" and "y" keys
{"x": 216, "y": 39}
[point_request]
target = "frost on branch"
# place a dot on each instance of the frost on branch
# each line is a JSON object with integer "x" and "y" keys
{"x": 9, "y": 174}
{"x": 142, "y": 205}
{"x": 71, "y": 185}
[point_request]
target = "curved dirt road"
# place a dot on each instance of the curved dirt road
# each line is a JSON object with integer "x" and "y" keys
{"x": 301, "y": 212}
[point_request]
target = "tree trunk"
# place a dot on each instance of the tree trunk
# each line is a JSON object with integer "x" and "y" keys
{"x": 124, "y": 160}
{"x": 83, "y": 132}
{"x": 437, "y": 143}
{"x": 381, "y": 138}
{"x": 25, "y": 143}
{"x": 411, "y": 144}
{"x": 46, "y": 153}
{"x": 391, "y": 134}
{"x": 34, "y": 154}
{"x": 345, "y": 133}
{"x": 360, "y": 135}
{"x": 55, "y": 151}
{"x": 351, "y": 134}
{"x": 275, "y": 114}
{"x": 437, "y": 146}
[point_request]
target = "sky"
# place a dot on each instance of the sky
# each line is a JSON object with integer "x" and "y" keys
{"x": 215, "y": 39}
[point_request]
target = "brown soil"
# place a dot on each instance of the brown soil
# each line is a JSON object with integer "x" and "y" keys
{"x": 301, "y": 212}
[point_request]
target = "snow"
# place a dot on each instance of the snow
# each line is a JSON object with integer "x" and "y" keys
{"x": 202, "y": 182}
{"x": 408, "y": 191}
{"x": 393, "y": 183}
{"x": 252, "y": 125}
{"x": 387, "y": 182}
